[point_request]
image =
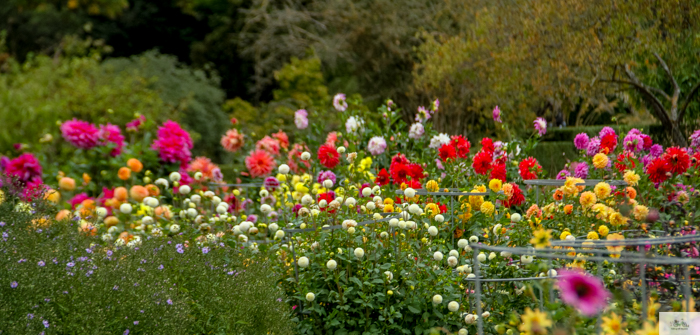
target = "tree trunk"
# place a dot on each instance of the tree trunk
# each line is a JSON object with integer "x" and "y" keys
{"x": 677, "y": 136}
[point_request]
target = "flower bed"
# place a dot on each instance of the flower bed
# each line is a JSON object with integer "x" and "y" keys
{"x": 387, "y": 227}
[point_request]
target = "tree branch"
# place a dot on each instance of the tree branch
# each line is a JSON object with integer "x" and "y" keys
{"x": 688, "y": 98}
{"x": 661, "y": 112}
{"x": 676, "y": 88}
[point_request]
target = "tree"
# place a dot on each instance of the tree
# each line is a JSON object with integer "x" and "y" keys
{"x": 548, "y": 56}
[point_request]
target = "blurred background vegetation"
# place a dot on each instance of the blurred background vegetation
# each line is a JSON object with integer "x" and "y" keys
{"x": 201, "y": 62}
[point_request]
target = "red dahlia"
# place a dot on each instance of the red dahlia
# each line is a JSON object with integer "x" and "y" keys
{"x": 382, "y": 178}
{"x": 678, "y": 159}
{"x": 482, "y": 162}
{"x": 487, "y": 145}
{"x": 529, "y": 168}
{"x": 462, "y": 145}
{"x": 328, "y": 156}
{"x": 447, "y": 152}
{"x": 608, "y": 142}
{"x": 516, "y": 199}
{"x": 657, "y": 170}
{"x": 499, "y": 172}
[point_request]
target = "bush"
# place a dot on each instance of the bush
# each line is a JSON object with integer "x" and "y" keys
{"x": 55, "y": 278}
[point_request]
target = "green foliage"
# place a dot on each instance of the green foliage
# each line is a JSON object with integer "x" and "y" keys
{"x": 192, "y": 94}
{"x": 42, "y": 91}
{"x": 75, "y": 284}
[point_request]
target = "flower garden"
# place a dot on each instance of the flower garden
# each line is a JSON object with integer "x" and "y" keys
{"x": 380, "y": 227}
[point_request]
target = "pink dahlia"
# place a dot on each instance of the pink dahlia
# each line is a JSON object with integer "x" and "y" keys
{"x": 260, "y": 163}
{"x": 173, "y": 143}
{"x": 301, "y": 119}
{"x": 232, "y": 141}
{"x": 540, "y": 125}
{"x": 135, "y": 124}
{"x": 339, "y": 102}
{"x": 582, "y": 291}
{"x": 81, "y": 134}
{"x": 25, "y": 167}
{"x": 497, "y": 115}
{"x": 269, "y": 144}
{"x": 110, "y": 133}
{"x": 204, "y": 165}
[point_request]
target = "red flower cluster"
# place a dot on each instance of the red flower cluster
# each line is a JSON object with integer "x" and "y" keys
{"x": 401, "y": 169}
{"x": 383, "y": 178}
{"x": 516, "y": 199}
{"x": 657, "y": 170}
{"x": 447, "y": 152}
{"x": 487, "y": 145}
{"x": 328, "y": 156}
{"x": 625, "y": 161}
{"x": 609, "y": 143}
{"x": 499, "y": 172}
{"x": 458, "y": 147}
{"x": 482, "y": 162}
{"x": 529, "y": 168}
{"x": 328, "y": 196}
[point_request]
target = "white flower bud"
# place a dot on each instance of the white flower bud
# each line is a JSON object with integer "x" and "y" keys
{"x": 366, "y": 191}
{"x": 433, "y": 231}
{"x": 279, "y": 234}
{"x": 454, "y": 253}
{"x": 175, "y": 176}
{"x": 341, "y": 149}
{"x": 196, "y": 198}
{"x": 463, "y": 331}
{"x": 473, "y": 239}
{"x": 101, "y": 212}
{"x": 452, "y": 261}
{"x": 284, "y": 169}
{"x": 162, "y": 182}
{"x": 453, "y": 306}
{"x": 462, "y": 243}
{"x": 393, "y": 222}
{"x": 481, "y": 257}
{"x": 327, "y": 183}
{"x": 409, "y": 192}
{"x": 310, "y": 297}
{"x": 506, "y": 254}
{"x": 377, "y": 198}
{"x": 305, "y": 156}
{"x": 191, "y": 212}
{"x": 174, "y": 228}
{"x": 215, "y": 200}
{"x": 439, "y": 218}
{"x": 492, "y": 256}
{"x": 359, "y": 252}
{"x": 437, "y": 299}
{"x": 526, "y": 259}
{"x": 350, "y": 201}
{"x": 125, "y": 208}
{"x": 389, "y": 275}
{"x": 184, "y": 189}
{"x": 437, "y": 256}
{"x": 147, "y": 220}
{"x": 266, "y": 209}
{"x": 371, "y": 206}
{"x": 515, "y": 217}
{"x": 331, "y": 264}
{"x": 303, "y": 261}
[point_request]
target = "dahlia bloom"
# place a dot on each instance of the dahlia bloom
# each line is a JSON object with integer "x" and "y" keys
{"x": 593, "y": 146}
{"x": 497, "y": 115}
{"x": 581, "y": 170}
{"x": 301, "y": 119}
{"x": 204, "y": 165}
{"x": 326, "y": 175}
{"x": 436, "y": 105}
{"x": 110, "y": 133}
{"x": 376, "y": 145}
{"x": 423, "y": 114}
{"x": 232, "y": 141}
{"x": 328, "y": 156}
{"x": 529, "y": 168}
{"x": 695, "y": 139}
{"x": 608, "y": 142}
{"x": 677, "y": 159}
{"x": 259, "y": 163}
{"x": 281, "y": 138}
{"x": 581, "y": 141}
{"x": 540, "y": 125}
{"x": 331, "y": 138}
{"x": 135, "y": 124}
{"x": 25, "y": 167}
{"x": 606, "y": 131}
{"x": 269, "y": 144}
{"x": 447, "y": 152}
{"x": 339, "y": 102}
{"x": 633, "y": 142}
{"x": 438, "y": 140}
{"x": 353, "y": 125}
{"x": 656, "y": 150}
{"x": 81, "y": 134}
{"x": 656, "y": 169}
{"x": 563, "y": 174}
{"x": 584, "y": 292}
{"x": 482, "y": 162}
{"x": 416, "y": 131}
{"x": 173, "y": 143}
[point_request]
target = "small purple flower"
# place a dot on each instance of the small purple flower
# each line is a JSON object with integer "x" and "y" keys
{"x": 563, "y": 174}
{"x": 2, "y": 223}
{"x": 205, "y": 250}
{"x": 581, "y": 170}
{"x": 497, "y": 115}
{"x": 136, "y": 323}
{"x": 30, "y": 316}
{"x": 46, "y": 323}
{"x": 160, "y": 267}
{"x": 126, "y": 332}
{"x": 13, "y": 284}
{"x": 540, "y": 125}
{"x": 581, "y": 141}
{"x": 88, "y": 250}
{"x": 170, "y": 302}
{"x": 593, "y": 146}
{"x": 41, "y": 263}
{"x": 109, "y": 253}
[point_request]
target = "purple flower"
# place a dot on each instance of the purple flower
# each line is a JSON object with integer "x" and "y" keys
{"x": 606, "y": 131}
{"x": 581, "y": 170}
{"x": 301, "y": 119}
{"x": 593, "y": 146}
{"x": 136, "y": 323}
{"x": 126, "y": 332}
{"x": 30, "y": 316}
{"x": 581, "y": 141}
{"x": 695, "y": 139}
{"x": 563, "y": 174}
{"x": 46, "y": 323}
{"x": 540, "y": 125}
{"x": 2, "y": 224}
{"x": 634, "y": 131}
{"x": 656, "y": 150}
{"x": 70, "y": 264}
{"x": 326, "y": 175}
{"x": 160, "y": 267}
{"x": 271, "y": 183}
{"x": 633, "y": 142}
{"x": 497, "y": 115}
{"x": 252, "y": 218}
{"x": 13, "y": 284}
{"x": 170, "y": 302}
{"x": 41, "y": 263}
{"x": 423, "y": 114}
{"x": 582, "y": 291}
{"x": 109, "y": 253}
{"x": 339, "y": 102}
{"x": 205, "y": 250}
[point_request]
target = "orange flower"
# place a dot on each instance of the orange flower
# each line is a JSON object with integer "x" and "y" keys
{"x": 86, "y": 178}
{"x": 153, "y": 190}
{"x": 568, "y": 208}
{"x": 134, "y": 164}
{"x": 120, "y": 194}
{"x": 62, "y": 215}
{"x": 164, "y": 212}
{"x": 111, "y": 221}
{"x": 138, "y": 192}
{"x": 558, "y": 195}
{"x": 631, "y": 192}
{"x": 52, "y": 195}
{"x": 87, "y": 207}
{"x": 124, "y": 173}
{"x": 67, "y": 184}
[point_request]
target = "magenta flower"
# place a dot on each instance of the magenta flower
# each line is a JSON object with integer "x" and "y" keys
{"x": 656, "y": 150}
{"x": 633, "y": 142}
{"x": 423, "y": 114}
{"x": 436, "y": 105}
{"x": 323, "y": 175}
{"x": 563, "y": 174}
{"x": 173, "y": 143}
{"x": 695, "y": 139}
{"x": 606, "y": 131}
{"x": 25, "y": 167}
{"x": 271, "y": 183}
{"x": 582, "y": 291}
{"x": 110, "y": 133}
{"x": 497, "y": 115}
{"x": 540, "y": 126}
{"x": 339, "y": 102}
{"x": 81, "y": 134}
{"x": 135, "y": 124}
{"x": 593, "y": 146}
{"x": 301, "y": 119}
{"x": 581, "y": 141}
{"x": 581, "y": 170}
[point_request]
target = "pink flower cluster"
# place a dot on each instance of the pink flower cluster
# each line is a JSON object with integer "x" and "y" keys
{"x": 25, "y": 167}
{"x": 85, "y": 135}
{"x": 110, "y": 133}
{"x": 173, "y": 143}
